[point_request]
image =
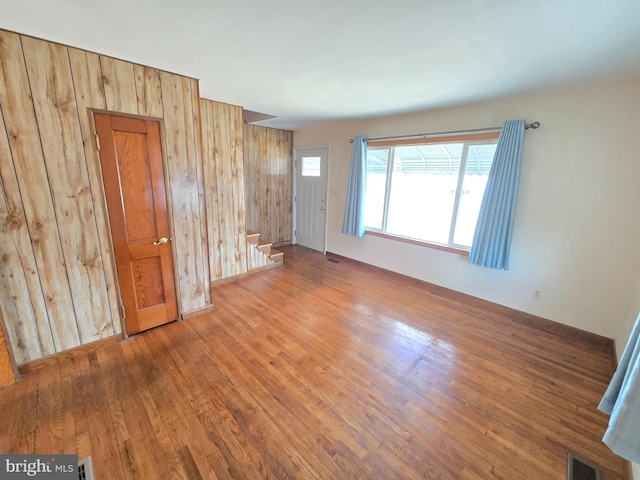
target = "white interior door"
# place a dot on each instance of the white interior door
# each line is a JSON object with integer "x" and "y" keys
{"x": 311, "y": 197}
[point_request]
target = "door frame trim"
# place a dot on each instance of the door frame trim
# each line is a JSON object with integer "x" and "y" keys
{"x": 294, "y": 209}
{"x": 167, "y": 186}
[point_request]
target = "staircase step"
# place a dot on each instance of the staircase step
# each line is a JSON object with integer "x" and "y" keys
{"x": 276, "y": 256}
{"x": 252, "y": 237}
{"x": 264, "y": 247}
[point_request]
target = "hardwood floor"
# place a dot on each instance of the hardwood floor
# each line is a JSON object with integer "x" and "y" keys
{"x": 325, "y": 370}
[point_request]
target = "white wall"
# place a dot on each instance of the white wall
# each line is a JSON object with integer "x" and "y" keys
{"x": 577, "y": 230}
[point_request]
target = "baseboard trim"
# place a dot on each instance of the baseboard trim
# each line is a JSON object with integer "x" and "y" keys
{"x": 87, "y": 347}
{"x": 282, "y": 244}
{"x": 233, "y": 278}
{"x": 541, "y": 323}
{"x": 198, "y": 311}
{"x": 240, "y": 276}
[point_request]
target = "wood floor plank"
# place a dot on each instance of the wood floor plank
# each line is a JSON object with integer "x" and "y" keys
{"x": 321, "y": 370}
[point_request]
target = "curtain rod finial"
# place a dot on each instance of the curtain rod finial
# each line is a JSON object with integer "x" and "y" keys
{"x": 351, "y": 140}
{"x": 534, "y": 125}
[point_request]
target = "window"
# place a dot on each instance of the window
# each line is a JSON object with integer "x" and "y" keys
{"x": 428, "y": 190}
{"x": 311, "y": 166}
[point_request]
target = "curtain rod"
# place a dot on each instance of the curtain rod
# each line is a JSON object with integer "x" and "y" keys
{"x": 533, "y": 125}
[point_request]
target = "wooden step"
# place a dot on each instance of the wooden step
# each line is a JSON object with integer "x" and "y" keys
{"x": 252, "y": 237}
{"x": 269, "y": 258}
{"x": 276, "y": 256}
{"x": 264, "y": 247}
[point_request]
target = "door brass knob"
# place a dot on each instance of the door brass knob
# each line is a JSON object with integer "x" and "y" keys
{"x": 161, "y": 241}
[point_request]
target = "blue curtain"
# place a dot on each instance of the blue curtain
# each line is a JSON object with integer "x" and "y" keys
{"x": 353, "y": 223}
{"x": 622, "y": 402}
{"x": 492, "y": 238}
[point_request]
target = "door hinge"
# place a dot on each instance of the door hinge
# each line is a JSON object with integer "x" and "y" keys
{"x": 97, "y": 142}
{"x": 124, "y": 312}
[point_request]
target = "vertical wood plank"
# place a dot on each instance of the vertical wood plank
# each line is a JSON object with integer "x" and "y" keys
{"x": 247, "y": 141}
{"x": 183, "y": 175}
{"x": 255, "y": 190}
{"x": 237, "y": 126}
{"x": 30, "y": 168}
{"x": 196, "y": 136}
{"x": 276, "y": 160}
{"x": 204, "y": 238}
{"x": 223, "y": 140}
{"x": 247, "y": 137}
{"x": 56, "y": 111}
{"x": 288, "y": 186}
{"x": 148, "y": 91}
{"x": 269, "y": 207}
{"x": 262, "y": 183}
{"x": 89, "y": 93}
{"x": 119, "y": 85}
{"x": 211, "y": 188}
{"x": 224, "y": 166}
{"x": 178, "y": 194}
{"x": 269, "y": 169}
{"x": 21, "y": 295}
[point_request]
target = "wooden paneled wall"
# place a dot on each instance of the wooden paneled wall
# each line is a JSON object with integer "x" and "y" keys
{"x": 268, "y": 155}
{"x": 224, "y": 188}
{"x": 57, "y": 275}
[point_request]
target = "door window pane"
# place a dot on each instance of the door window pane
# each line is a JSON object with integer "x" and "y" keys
{"x": 311, "y": 166}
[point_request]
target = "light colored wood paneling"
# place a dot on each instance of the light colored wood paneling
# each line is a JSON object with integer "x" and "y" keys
{"x": 226, "y": 156}
{"x": 207, "y": 116}
{"x": 287, "y": 196}
{"x": 251, "y": 175}
{"x": 149, "y": 91}
{"x": 58, "y": 270}
{"x": 269, "y": 169}
{"x": 53, "y": 96}
{"x": 31, "y": 172}
{"x": 119, "y": 82}
{"x": 204, "y": 235}
{"x": 87, "y": 80}
{"x": 224, "y": 182}
{"x": 20, "y": 290}
{"x": 182, "y": 153}
{"x": 191, "y": 94}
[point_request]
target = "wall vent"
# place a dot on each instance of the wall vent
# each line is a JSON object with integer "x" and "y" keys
{"x": 85, "y": 471}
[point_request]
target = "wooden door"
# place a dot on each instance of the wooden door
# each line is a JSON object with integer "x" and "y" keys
{"x": 8, "y": 369}
{"x": 311, "y": 187}
{"x": 132, "y": 169}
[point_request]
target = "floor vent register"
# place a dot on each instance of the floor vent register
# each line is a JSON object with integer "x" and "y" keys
{"x": 85, "y": 472}
{"x": 580, "y": 470}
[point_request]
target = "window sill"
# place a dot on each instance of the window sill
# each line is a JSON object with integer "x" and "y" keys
{"x": 421, "y": 243}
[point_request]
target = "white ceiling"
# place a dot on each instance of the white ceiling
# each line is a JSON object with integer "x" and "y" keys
{"x": 312, "y": 61}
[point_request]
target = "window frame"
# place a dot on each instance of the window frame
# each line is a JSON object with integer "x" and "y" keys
{"x": 468, "y": 140}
